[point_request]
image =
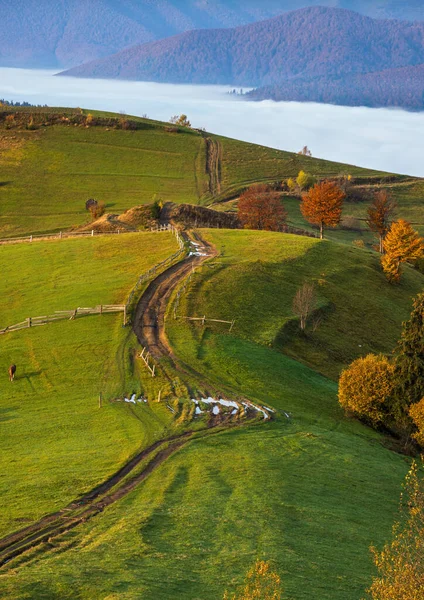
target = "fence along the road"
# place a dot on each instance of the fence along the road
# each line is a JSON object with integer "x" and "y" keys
{"x": 154, "y": 270}
{"x": 101, "y": 308}
{"x": 63, "y": 235}
{"x": 70, "y": 315}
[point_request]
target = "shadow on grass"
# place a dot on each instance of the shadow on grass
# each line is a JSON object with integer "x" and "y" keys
{"x": 5, "y": 414}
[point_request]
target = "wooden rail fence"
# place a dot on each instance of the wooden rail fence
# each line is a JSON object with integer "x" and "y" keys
{"x": 70, "y": 315}
{"x": 151, "y": 273}
{"x": 205, "y": 320}
{"x": 61, "y": 315}
{"x": 62, "y": 235}
{"x": 145, "y": 357}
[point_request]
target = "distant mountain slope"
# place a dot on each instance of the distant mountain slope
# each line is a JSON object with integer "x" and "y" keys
{"x": 42, "y": 33}
{"x": 306, "y": 43}
{"x": 403, "y": 87}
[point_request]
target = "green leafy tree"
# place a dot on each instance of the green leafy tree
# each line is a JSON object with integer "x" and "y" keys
{"x": 409, "y": 358}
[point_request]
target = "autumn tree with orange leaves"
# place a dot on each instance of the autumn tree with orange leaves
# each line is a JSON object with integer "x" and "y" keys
{"x": 401, "y": 245}
{"x": 379, "y": 216}
{"x": 261, "y": 584}
{"x": 322, "y": 205}
{"x": 401, "y": 562}
{"x": 260, "y": 207}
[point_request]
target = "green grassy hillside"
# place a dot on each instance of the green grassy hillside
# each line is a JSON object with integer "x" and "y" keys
{"x": 55, "y": 442}
{"x": 304, "y": 492}
{"x": 256, "y": 278}
{"x": 48, "y": 173}
{"x": 46, "y": 276}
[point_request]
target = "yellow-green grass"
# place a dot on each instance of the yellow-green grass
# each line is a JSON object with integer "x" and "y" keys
{"x": 309, "y": 494}
{"x": 55, "y": 442}
{"x": 244, "y": 164}
{"x": 39, "y": 278}
{"x": 47, "y": 175}
{"x": 255, "y": 279}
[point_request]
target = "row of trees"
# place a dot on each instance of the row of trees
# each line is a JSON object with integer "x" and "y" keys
{"x": 260, "y": 207}
{"x": 390, "y": 392}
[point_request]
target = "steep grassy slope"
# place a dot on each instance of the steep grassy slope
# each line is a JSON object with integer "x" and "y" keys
{"x": 305, "y": 492}
{"x": 55, "y": 442}
{"x": 255, "y": 280}
{"x": 46, "y": 175}
{"x": 244, "y": 164}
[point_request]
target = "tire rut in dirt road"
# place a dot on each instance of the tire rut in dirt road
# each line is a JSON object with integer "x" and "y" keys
{"x": 92, "y": 503}
{"x": 149, "y": 326}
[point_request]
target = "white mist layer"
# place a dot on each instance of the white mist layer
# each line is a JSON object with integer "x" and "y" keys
{"x": 384, "y": 139}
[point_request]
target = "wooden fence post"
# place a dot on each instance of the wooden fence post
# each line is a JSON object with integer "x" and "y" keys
{"x": 125, "y": 314}
{"x": 100, "y": 400}
{"x": 92, "y": 233}
{"x": 29, "y": 321}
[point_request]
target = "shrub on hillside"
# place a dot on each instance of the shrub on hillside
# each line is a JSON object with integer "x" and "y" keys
{"x": 366, "y": 386}
{"x": 97, "y": 210}
{"x": 261, "y": 584}
{"x": 401, "y": 562}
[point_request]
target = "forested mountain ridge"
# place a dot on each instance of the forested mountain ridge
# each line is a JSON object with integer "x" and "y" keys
{"x": 402, "y": 87}
{"x": 69, "y": 32}
{"x": 311, "y": 42}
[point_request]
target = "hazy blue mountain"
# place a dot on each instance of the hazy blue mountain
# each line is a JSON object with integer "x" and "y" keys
{"x": 47, "y": 33}
{"x": 309, "y": 42}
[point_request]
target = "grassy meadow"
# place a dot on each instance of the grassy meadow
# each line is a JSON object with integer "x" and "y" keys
{"x": 55, "y": 441}
{"x": 46, "y": 175}
{"x": 309, "y": 491}
{"x": 255, "y": 279}
{"x": 305, "y": 493}
{"x": 45, "y": 276}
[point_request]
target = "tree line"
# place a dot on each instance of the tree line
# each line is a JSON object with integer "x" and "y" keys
{"x": 261, "y": 207}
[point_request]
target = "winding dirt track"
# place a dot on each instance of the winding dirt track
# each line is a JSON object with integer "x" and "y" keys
{"x": 149, "y": 328}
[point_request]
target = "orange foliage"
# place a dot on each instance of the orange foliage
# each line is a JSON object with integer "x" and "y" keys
{"x": 402, "y": 244}
{"x": 260, "y": 207}
{"x": 401, "y": 562}
{"x": 323, "y": 204}
{"x": 417, "y": 414}
{"x": 261, "y": 584}
{"x": 365, "y": 386}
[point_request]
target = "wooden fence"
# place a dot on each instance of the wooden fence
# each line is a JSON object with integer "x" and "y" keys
{"x": 62, "y": 235}
{"x": 145, "y": 355}
{"x": 205, "y": 320}
{"x": 151, "y": 273}
{"x": 70, "y": 315}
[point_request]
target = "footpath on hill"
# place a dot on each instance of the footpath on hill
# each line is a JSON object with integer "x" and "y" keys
{"x": 149, "y": 327}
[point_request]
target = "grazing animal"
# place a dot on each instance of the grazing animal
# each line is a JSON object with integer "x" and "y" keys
{"x": 12, "y": 371}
